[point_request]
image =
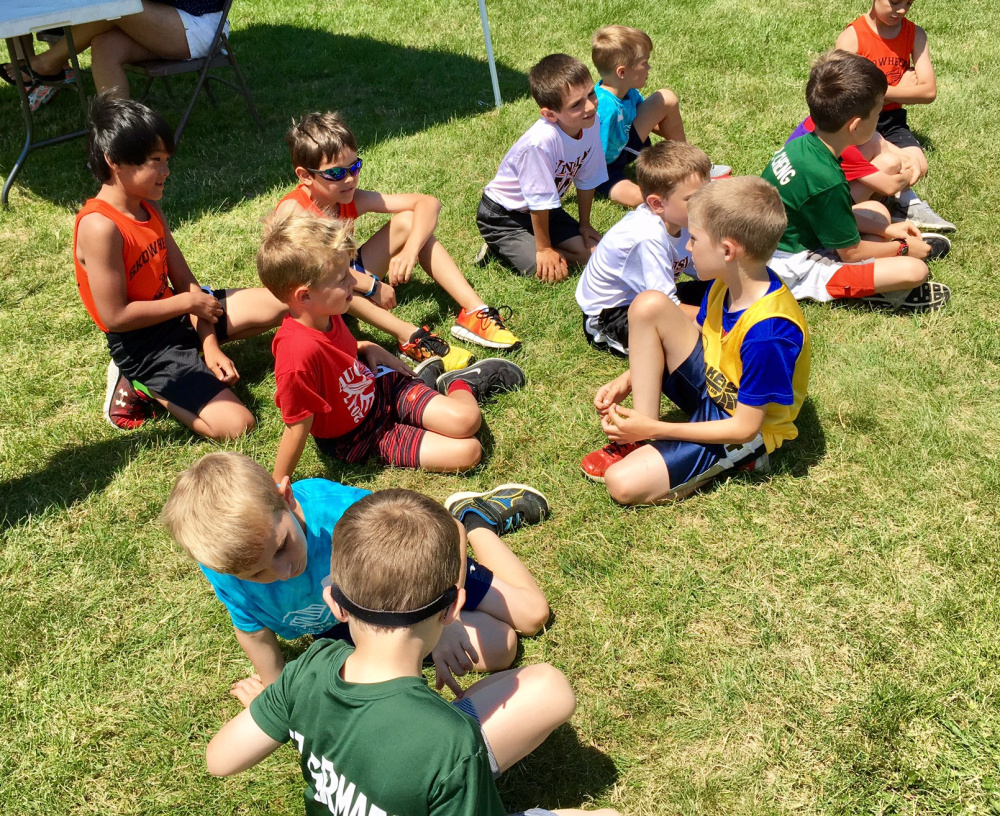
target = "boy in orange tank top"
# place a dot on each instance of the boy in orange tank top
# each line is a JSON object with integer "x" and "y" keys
{"x": 899, "y": 48}
{"x": 163, "y": 329}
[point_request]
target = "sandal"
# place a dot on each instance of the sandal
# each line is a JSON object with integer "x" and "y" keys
{"x": 35, "y": 77}
{"x": 6, "y": 76}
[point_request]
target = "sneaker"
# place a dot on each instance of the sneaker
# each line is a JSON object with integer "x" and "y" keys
{"x": 928, "y": 297}
{"x": 483, "y": 256}
{"x": 507, "y": 508}
{"x": 920, "y": 213}
{"x": 485, "y": 327}
{"x": 762, "y": 464}
{"x": 719, "y": 171}
{"x": 429, "y": 370}
{"x": 487, "y": 378}
{"x": 940, "y": 245}
{"x": 41, "y": 94}
{"x": 424, "y": 344}
{"x": 595, "y": 465}
{"x": 124, "y": 407}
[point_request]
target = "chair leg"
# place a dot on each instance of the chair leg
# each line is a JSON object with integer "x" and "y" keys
{"x": 244, "y": 89}
{"x": 145, "y": 90}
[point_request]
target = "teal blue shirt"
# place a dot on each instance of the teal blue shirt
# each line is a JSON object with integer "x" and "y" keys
{"x": 616, "y": 117}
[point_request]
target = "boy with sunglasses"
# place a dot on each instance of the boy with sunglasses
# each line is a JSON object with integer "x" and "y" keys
{"x": 325, "y": 155}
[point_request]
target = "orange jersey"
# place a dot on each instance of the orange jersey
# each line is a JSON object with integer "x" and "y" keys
{"x": 891, "y": 56}
{"x": 348, "y": 212}
{"x": 144, "y": 256}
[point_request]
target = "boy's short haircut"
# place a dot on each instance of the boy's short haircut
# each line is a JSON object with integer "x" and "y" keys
{"x": 553, "y": 77}
{"x": 664, "y": 165}
{"x": 302, "y": 249}
{"x": 221, "y": 511}
{"x": 746, "y": 209}
{"x": 123, "y": 131}
{"x": 319, "y": 137}
{"x": 395, "y": 550}
{"x": 841, "y": 86}
{"x": 615, "y": 45}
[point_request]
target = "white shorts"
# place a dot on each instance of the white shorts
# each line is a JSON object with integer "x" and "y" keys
{"x": 808, "y": 275}
{"x": 200, "y": 31}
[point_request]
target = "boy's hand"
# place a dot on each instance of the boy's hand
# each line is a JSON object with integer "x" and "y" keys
{"x": 626, "y": 425}
{"x": 203, "y": 305}
{"x": 909, "y": 168}
{"x": 551, "y": 266}
{"x": 385, "y": 297}
{"x": 910, "y": 233}
{"x": 401, "y": 267}
{"x": 908, "y": 79}
{"x": 374, "y": 355}
{"x": 613, "y": 392}
{"x": 221, "y": 366}
{"x": 454, "y": 656}
{"x": 247, "y": 689}
{"x": 591, "y": 237}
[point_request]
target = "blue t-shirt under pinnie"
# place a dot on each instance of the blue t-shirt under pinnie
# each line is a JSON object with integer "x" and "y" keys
{"x": 295, "y": 607}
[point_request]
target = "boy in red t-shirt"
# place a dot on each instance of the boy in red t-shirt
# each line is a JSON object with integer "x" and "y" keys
{"x": 355, "y": 397}
{"x": 163, "y": 330}
{"x": 899, "y": 48}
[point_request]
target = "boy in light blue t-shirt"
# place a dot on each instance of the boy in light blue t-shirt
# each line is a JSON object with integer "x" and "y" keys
{"x": 265, "y": 550}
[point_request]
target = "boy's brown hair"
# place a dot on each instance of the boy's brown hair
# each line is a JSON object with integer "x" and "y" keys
{"x": 395, "y": 550}
{"x": 841, "y": 86}
{"x": 319, "y": 137}
{"x": 301, "y": 249}
{"x": 745, "y": 209}
{"x": 661, "y": 167}
{"x": 221, "y": 511}
{"x": 551, "y": 79}
{"x": 615, "y": 45}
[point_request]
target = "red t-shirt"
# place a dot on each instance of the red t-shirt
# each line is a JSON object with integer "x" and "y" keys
{"x": 319, "y": 373}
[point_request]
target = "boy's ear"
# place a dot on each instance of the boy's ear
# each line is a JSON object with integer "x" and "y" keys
{"x": 620, "y": 71}
{"x": 300, "y": 296}
{"x": 335, "y": 607}
{"x": 303, "y": 175}
{"x": 451, "y": 613}
{"x": 549, "y": 115}
{"x": 655, "y": 203}
{"x": 852, "y": 123}
{"x": 285, "y": 491}
{"x": 730, "y": 249}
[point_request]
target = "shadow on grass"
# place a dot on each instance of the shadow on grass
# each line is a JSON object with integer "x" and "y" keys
{"x": 381, "y": 88}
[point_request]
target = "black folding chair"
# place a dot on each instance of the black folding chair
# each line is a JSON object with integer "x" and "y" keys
{"x": 220, "y": 55}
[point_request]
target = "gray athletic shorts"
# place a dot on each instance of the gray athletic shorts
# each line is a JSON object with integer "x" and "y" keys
{"x": 510, "y": 236}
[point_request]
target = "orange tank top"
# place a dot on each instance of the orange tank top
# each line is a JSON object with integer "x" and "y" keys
{"x": 891, "y": 56}
{"x": 144, "y": 256}
{"x": 349, "y": 211}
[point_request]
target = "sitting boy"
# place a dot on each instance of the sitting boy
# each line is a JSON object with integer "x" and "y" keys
{"x": 354, "y": 397}
{"x": 899, "y": 49}
{"x": 163, "y": 330}
{"x": 833, "y": 249}
{"x": 325, "y": 155}
{"x": 647, "y": 248}
{"x": 742, "y": 378}
{"x": 621, "y": 56}
{"x": 372, "y": 737}
{"x": 520, "y": 215}
{"x": 266, "y": 553}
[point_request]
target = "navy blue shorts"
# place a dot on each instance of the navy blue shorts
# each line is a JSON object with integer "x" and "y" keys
{"x": 690, "y": 462}
{"x": 616, "y": 170}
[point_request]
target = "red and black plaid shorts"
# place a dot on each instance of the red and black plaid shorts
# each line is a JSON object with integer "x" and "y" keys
{"x": 391, "y": 428}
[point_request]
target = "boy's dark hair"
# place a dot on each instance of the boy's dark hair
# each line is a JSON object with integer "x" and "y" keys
{"x": 318, "y": 137}
{"x": 615, "y": 45}
{"x": 841, "y": 86}
{"x": 553, "y": 76}
{"x": 395, "y": 550}
{"x": 124, "y": 131}
{"x": 661, "y": 167}
{"x": 746, "y": 209}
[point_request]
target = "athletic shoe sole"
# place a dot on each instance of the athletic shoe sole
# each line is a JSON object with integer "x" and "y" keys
{"x": 455, "y": 498}
{"x": 482, "y": 256}
{"x": 110, "y": 389}
{"x": 463, "y": 333}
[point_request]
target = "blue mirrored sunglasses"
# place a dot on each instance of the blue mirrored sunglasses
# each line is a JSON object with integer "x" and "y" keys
{"x": 339, "y": 173}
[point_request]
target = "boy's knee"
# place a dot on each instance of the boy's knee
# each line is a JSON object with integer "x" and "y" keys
{"x": 647, "y": 306}
{"x": 668, "y": 98}
{"x": 534, "y": 615}
{"x": 232, "y": 424}
{"x": 620, "y": 487}
{"x": 500, "y": 655}
{"x": 466, "y": 420}
{"x": 550, "y": 684}
{"x": 469, "y": 454}
{"x": 914, "y": 271}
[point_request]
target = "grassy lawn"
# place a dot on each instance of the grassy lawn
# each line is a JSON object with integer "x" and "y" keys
{"x": 823, "y": 639}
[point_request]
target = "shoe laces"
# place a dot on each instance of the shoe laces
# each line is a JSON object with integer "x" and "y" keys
{"x": 426, "y": 340}
{"x": 497, "y": 316}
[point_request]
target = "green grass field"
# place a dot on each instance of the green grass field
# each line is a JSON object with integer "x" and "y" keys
{"x": 823, "y": 639}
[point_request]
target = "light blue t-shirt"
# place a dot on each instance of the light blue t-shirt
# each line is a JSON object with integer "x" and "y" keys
{"x": 616, "y": 117}
{"x": 295, "y": 607}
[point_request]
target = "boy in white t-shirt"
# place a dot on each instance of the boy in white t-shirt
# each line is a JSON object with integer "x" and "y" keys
{"x": 520, "y": 216}
{"x": 647, "y": 248}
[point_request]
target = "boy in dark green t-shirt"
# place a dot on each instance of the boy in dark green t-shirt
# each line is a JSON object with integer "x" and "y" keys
{"x": 832, "y": 248}
{"x": 373, "y": 738}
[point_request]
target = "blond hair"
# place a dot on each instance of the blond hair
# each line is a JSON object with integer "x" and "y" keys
{"x": 302, "y": 249}
{"x": 745, "y": 209}
{"x": 319, "y": 137}
{"x": 615, "y": 45}
{"x": 661, "y": 167}
{"x": 222, "y": 510}
{"x": 395, "y": 550}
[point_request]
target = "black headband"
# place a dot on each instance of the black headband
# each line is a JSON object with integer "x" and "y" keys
{"x": 389, "y": 618}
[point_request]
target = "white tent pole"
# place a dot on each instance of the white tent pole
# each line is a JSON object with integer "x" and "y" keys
{"x": 489, "y": 53}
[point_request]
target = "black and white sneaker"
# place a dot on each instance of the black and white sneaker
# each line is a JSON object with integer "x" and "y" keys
{"x": 429, "y": 371}
{"x": 487, "y": 378}
{"x": 940, "y": 245}
{"x": 483, "y": 256}
{"x": 505, "y": 508}
{"x": 928, "y": 297}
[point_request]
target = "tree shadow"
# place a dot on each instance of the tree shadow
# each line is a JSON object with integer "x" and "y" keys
{"x": 383, "y": 89}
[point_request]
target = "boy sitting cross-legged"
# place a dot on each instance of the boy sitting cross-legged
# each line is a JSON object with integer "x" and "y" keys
{"x": 520, "y": 215}
{"x": 163, "y": 330}
{"x": 266, "y": 552}
{"x": 373, "y": 739}
{"x": 833, "y": 249}
{"x": 647, "y": 248}
{"x": 621, "y": 56}
{"x": 355, "y": 397}
{"x": 742, "y": 377}
{"x": 325, "y": 155}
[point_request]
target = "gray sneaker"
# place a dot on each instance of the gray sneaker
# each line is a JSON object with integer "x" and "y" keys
{"x": 920, "y": 213}
{"x": 940, "y": 245}
{"x": 483, "y": 257}
{"x": 928, "y": 297}
{"x": 487, "y": 378}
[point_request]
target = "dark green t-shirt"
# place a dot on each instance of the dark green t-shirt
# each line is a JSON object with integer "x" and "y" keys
{"x": 380, "y": 749}
{"x": 816, "y": 196}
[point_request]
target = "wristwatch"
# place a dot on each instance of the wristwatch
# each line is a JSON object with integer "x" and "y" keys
{"x": 904, "y": 248}
{"x": 375, "y": 285}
